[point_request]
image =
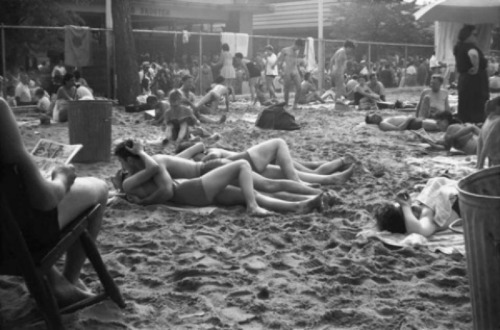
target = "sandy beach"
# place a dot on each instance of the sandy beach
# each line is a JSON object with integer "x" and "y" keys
{"x": 227, "y": 270}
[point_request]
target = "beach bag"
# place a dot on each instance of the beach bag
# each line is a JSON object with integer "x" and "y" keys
{"x": 276, "y": 117}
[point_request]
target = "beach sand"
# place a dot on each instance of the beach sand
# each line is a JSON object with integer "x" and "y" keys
{"x": 228, "y": 270}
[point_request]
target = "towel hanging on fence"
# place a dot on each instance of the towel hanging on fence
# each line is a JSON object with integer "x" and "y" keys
{"x": 241, "y": 43}
{"x": 77, "y": 46}
{"x": 185, "y": 36}
{"x": 229, "y": 39}
{"x": 310, "y": 56}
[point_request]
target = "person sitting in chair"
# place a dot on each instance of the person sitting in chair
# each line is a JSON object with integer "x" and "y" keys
{"x": 52, "y": 205}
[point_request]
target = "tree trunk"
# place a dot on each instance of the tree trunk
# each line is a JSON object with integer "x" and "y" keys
{"x": 128, "y": 85}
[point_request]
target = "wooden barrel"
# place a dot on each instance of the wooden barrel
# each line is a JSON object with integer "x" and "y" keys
{"x": 89, "y": 124}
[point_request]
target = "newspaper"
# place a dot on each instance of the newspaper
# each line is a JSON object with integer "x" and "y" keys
{"x": 422, "y": 133}
{"x": 50, "y": 154}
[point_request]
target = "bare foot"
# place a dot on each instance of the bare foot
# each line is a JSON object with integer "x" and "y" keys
{"x": 342, "y": 177}
{"x": 258, "y": 212}
{"x": 67, "y": 294}
{"x": 315, "y": 203}
{"x": 65, "y": 174}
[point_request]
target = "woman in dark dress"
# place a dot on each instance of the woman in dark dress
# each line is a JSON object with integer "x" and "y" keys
{"x": 473, "y": 79}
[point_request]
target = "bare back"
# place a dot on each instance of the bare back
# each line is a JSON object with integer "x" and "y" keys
{"x": 289, "y": 55}
{"x": 339, "y": 62}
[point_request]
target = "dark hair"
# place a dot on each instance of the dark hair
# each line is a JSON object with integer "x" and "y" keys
{"x": 40, "y": 92}
{"x": 77, "y": 75}
{"x": 363, "y": 76}
{"x": 369, "y": 118}
{"x": 219, "y": 80}
{"x": 349, "y": 44}
{"x": 174, "y": 96}
{"x": 373, "y": 75}
{"x": 299, "y": 42}
{"x": 121, "y": 149}
{"x": 465, "y": 32}
{"x": 238, "y": 55}
{"x": 307, "y": 75}
{"x": 269, "y": 47}
{"x": 151, "y": 100}
{"x": 391, "y": 218}
{"x": 225, "y": 47}
{"x": 355, "y": 77}
{"x": 67, "y": 77}
{"x": 438, "y": 77}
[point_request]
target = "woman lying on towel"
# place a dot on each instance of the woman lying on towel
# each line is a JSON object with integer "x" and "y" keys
{"x": 401, "y": 123}
{"x": 435, "y": 208}
{"x": 148, "y": 182}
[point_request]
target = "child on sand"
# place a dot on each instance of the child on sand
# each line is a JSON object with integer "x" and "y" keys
{"x": 401, "y": 123}
{"x": 435, "y": 208}
{"x": 178, "y": 119}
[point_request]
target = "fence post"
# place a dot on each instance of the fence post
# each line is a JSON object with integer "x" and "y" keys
{"x": 4, "y": 66}
{"x": 200, "y": 76}
{"x": 321, "y": 64}
{"x": 370, "y": 58}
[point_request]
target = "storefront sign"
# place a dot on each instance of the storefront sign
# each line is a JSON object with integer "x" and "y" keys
{"x": 155, "y": 11}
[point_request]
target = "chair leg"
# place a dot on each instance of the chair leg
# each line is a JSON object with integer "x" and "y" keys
{"x": 45, "y": 300}
{"x": 95, "y": 258}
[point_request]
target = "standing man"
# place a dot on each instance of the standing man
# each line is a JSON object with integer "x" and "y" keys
{"x": 271, "y": 70}
{"x": 338, "y": 65}
{"x": 291, "y": 75}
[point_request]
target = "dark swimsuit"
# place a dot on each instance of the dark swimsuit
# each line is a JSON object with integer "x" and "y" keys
{"x": 190, "y": 192}
{"x": 415, "y": 124}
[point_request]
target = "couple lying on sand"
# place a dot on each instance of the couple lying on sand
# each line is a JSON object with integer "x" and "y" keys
{"x": 227, "y": 178}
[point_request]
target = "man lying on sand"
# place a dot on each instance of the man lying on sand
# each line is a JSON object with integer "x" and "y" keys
{"x": 148, "y": 182}
{"x": 463, "y": 137}
{"x": 435, "y": 208}
{"x": 262, "y": 156}
{"x": 401, "y": 123}
{"x": 308, "y": 92}
{"x": 51, "y": 206}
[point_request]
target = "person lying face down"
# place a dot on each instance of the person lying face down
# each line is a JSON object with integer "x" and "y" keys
{"x": 435, "y": 208}
{"x": 401, "y": 123}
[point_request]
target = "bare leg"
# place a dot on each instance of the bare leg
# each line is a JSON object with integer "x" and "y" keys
{"x": 327, "y": 94}
{"x": 234, "y": 196}
{"x": 273, "y": 172}
{"x": 296, "y": 81}
{"x": 217, "y": 180}
{"x": 322, "y": 167}
{"x": 183, "y": 131}
{"x": 65, "y": 292}
{"x": 42, "y": 194}
{"x": 270, "y": 87}
{"x": 286, "y": 196}
{"x": 271, "y": 186}
{"x": 286, "y": 87}
{"x": 84, "y": 193}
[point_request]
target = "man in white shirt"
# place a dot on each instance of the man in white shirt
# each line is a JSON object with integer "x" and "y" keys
{"x": 271, "y": 70}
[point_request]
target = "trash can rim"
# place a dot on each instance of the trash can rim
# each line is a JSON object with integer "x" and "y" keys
{"x": 469, "y": 177}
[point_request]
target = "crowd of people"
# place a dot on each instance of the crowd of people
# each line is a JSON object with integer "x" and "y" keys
{"x": 264, "y": 178}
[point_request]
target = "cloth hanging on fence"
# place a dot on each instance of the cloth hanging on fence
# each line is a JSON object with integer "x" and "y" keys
{"x": 237, "y": 42}
{"x": 310, "y": 56}
{"x": 446, "y": 34}
{"x": 77, "y": 46}
{"x": 185, "y": 36}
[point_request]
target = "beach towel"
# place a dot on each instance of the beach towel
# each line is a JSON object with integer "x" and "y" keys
{"x": 276, "y": 117}
{"x": 77, "y": 46}
{"x": 229, "y": 39}
{"x": 310, "y": 55}
{"x": 241, "y": 43}
{"x": 445, "y": 241}
{"x": 117, "y": 198}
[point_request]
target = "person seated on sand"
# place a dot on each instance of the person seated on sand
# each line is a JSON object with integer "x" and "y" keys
{"x": 146, "y": 182}
{"x": 273, "y": 160}
{"x": 401, "y": 123}
{"x": 364, "y": 97}
{"x": 42, "y": 101}
{"x": 160, "y": 107}
{"x": 463, "y": 137}
{"x": 199, "y": 111}
{"x": 261, "y": 96}
{"x": 376, "y": 86}
{"x": 308, "y": 92}
{"x": 435, "y": 208}
{"x": 433, "y": 100}
{"x": 178, "y": 119}
{"x": 51, "y": 205}
{"x": 212, "y": 98}
{"x": 67, "y": 91}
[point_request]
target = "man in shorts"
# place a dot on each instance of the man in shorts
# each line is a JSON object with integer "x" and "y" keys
{"x": 289, "y": 58}
{"x": 338, "y": 65}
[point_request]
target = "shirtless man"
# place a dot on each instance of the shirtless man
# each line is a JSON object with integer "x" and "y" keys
{"x": 433, "y": 100}
{"x": 289, "y": 57}
{"x": 150, "y": 183}
{"x": 213, "y": 96}
{"x": 338, "y": 65}
{"x": 263, "y": 155}
{"x": 189, "y": 98}
{"x": 52, "y": 205}
{"x": 308, "y": 92}
{"x": 401, "y": 123}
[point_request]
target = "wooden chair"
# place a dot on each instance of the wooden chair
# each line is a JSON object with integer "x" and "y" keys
{"x": 16, "y": 258}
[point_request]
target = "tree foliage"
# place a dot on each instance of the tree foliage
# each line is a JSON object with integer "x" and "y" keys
{"x": 379, "y": 20}
{"x": 20, "y": 43}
